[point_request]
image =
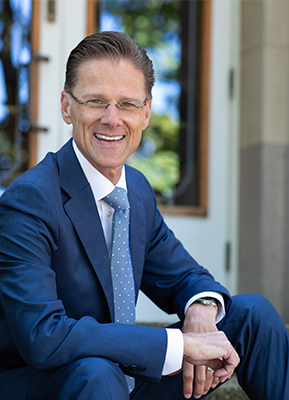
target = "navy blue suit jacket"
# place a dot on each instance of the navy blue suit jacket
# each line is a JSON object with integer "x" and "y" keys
{"x": 56, "y": 289}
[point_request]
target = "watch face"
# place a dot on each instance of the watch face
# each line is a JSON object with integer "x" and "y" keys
{"x": 207, "y": 302}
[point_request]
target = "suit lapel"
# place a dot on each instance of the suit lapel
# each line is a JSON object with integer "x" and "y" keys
{"x": 82, "y": 211}
{"x": 137, "y": 231}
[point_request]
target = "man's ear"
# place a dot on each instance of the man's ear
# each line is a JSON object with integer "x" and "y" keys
{"x": 65, "y": 107}
{"x": 147, "y": 113}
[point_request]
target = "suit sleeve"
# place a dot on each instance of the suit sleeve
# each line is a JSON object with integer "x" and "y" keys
{"x": 32, "y": 313}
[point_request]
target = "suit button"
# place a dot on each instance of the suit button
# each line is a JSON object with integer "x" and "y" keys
{"x": 142, "y": 368}
{"x": 133, "y": 368}
{"x": 124, "y": 366}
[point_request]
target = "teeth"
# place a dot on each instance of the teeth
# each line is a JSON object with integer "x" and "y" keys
{"x": 108, "y": 137}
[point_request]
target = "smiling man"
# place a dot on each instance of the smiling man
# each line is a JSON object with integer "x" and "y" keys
{"x": 80, "y": 235}
{"x": 113, "y": 111}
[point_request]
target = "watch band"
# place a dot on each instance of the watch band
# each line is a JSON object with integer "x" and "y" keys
{"x": 207, "y": 302}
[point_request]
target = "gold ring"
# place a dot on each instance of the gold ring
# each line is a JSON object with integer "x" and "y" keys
{"x": 209, "y": 369}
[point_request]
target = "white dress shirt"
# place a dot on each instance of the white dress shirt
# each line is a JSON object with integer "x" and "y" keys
{"x": 101, "y": 187}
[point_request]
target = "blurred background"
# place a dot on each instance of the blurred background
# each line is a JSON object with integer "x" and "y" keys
{"x": 216, "y": 151}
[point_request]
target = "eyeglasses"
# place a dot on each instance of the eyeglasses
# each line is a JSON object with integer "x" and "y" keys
{"x": 101, "y": 105}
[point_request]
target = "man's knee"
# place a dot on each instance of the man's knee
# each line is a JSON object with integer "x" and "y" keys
{"x": 93, "y": 375}
{"x": 86, "y": 378}
{"x": 94, "y": 367}
{"x": 249, "y": 316}
{"x": 253, "y": 306}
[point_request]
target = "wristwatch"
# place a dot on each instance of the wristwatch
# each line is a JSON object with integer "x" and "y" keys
{"x": 207, "y": 301}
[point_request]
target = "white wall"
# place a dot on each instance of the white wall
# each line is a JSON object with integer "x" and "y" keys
{"x": 57, "y": 39}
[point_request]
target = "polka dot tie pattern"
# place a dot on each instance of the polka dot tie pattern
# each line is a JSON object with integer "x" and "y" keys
{"x": 120, "y": 264}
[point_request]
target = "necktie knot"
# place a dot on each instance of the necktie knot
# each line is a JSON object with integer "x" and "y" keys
{"x": 117, "y": 199}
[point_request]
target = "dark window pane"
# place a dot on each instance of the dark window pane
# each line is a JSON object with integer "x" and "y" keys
{"x": 15, "y": 56}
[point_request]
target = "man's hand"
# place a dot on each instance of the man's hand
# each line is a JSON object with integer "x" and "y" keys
{"x": 202, "y": 344}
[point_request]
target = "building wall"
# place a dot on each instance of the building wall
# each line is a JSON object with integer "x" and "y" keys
{"x": 264, "y": 151}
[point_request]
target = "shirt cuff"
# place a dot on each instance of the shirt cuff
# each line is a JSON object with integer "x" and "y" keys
{"x": 217, "y": 296}
{"x": 175, "y": 351}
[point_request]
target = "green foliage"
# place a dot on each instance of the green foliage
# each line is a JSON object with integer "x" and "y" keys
{"x": 157, "y": 157}
{"x": 162, "y": 171}
{"x": 163, "y": 132}
{"x": 148, "y": 21}
{"x": 4, "y": 143}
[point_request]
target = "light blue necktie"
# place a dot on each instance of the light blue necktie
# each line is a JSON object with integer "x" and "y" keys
{"x": 120, "y": 264}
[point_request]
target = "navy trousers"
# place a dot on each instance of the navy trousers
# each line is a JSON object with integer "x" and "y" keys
{"x": 252, "y": 325}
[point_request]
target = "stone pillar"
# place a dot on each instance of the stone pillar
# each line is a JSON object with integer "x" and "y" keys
{"x": 264, "y": 169}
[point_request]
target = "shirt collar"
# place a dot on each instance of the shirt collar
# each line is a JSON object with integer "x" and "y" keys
{"x": 100, "y": 185}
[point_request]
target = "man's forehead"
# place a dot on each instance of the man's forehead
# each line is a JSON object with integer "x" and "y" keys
{"x": 110, "y": 71}
{"x": 108, "y": 62}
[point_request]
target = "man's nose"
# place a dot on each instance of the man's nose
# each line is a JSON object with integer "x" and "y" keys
{"x": 111, "y": 115}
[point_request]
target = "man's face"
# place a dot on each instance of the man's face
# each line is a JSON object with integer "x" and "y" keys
{"x": 93, "y": 130}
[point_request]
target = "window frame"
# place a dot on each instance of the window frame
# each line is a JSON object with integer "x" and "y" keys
{"x": 34, "y": 80}
{"x": 204, "y": 99}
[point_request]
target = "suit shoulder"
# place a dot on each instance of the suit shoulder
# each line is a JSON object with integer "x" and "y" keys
{"x": 40, "y": 172}
{"x": 35, "y": 191}
{"x": 134, "y": 175}
{"x": 138, "y": 183}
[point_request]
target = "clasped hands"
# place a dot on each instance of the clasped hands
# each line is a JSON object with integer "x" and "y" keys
{"x": 205, "y": 346}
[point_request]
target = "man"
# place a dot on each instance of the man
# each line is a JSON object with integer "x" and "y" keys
{"x": 65, "y": 330}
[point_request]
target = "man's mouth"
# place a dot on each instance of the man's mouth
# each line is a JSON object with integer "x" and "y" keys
{"x": 109, "y": 138}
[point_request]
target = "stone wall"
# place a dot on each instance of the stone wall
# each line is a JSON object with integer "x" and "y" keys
{"x": 264, "y": 180}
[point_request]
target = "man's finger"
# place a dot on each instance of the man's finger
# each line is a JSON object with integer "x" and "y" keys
{"x": 188, "y": 377}
{"x": 200, "y": 381}
{"x": 215, "y": 382}
{"x": 209, "y": 380}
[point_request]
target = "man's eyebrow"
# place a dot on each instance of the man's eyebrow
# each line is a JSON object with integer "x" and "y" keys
{"x": 91, "y": 96}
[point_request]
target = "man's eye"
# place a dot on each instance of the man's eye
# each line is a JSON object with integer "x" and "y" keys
{"x": 96, "y": 101}
{"x": 127, "y": 105}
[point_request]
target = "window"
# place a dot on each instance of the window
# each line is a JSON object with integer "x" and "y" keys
{"x": 15, "y": 49}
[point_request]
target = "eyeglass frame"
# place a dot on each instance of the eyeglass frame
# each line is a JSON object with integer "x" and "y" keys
{"x": 105, "y": 106}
